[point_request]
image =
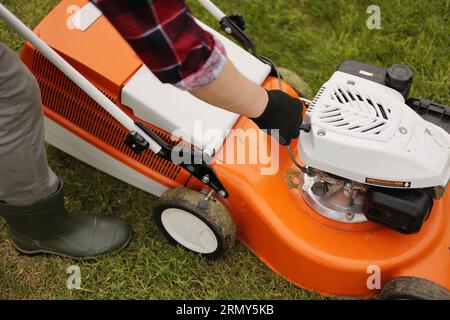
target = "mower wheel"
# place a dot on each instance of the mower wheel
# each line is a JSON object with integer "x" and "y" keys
{"x": 412, "y": 288}
{"x": 199, "y": 225}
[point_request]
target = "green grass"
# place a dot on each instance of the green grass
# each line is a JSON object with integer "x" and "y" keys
{"x": 309, "y": 36}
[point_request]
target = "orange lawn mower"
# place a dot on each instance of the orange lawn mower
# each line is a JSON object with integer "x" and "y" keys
{"x": 358, "y": 205}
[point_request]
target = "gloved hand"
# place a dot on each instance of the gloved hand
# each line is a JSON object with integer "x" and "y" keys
{"x": 283, "y": 113}
{"x": 232, "y": 91}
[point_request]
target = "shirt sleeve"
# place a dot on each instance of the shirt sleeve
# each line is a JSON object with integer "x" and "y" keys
{"x": 164, "y": 34}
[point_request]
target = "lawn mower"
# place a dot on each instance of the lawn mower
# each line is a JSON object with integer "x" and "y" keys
{"x": 359, "y": 204}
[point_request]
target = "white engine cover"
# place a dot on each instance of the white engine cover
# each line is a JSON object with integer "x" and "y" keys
{"x": 365, "y": 132}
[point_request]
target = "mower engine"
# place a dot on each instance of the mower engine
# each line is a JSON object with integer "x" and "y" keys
{"x": 370, "y": 156}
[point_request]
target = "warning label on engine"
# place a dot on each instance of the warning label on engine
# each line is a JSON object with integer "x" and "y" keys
{"x": 386, "y": 183}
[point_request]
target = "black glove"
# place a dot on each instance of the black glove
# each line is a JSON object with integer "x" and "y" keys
{"x": 283, "y": 113}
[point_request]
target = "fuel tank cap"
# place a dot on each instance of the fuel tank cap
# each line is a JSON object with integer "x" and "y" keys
{"x": 400, "y": 77}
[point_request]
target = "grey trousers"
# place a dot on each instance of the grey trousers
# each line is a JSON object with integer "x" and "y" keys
{"x": 24, "y": 173}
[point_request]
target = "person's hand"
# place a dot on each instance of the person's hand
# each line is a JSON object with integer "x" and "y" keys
{"x": 270, "y": 110}
{"x": 282, "y": 113}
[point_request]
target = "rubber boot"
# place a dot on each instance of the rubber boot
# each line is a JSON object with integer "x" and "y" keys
{"x": 46, "y": 227}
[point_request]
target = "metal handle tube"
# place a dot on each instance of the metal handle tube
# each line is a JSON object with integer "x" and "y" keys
{"x": 75, "y": 76}
{"x": 213, "y": 9}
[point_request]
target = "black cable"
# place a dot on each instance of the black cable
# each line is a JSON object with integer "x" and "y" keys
{"x": 291, "y": 154}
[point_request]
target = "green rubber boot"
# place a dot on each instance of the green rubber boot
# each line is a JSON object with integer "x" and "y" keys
{"x": 46, "y": 227}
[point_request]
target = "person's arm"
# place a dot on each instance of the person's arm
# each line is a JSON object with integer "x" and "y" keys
{"x": 166, "y": 37}
{"x": 234, "y": 92}
{"x": 177, "y": 50}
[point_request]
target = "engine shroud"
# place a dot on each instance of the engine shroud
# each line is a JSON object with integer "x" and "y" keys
{"x": 364, "y": 132}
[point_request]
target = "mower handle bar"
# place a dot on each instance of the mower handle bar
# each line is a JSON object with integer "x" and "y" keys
{"x": 75, "y": 76}
{"x": 213, "y": 9}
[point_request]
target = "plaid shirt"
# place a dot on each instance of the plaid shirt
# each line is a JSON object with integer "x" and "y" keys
{"x": 166, "y": 37}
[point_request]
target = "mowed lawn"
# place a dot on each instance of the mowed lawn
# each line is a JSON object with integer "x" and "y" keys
{"x": 309, "y": 36}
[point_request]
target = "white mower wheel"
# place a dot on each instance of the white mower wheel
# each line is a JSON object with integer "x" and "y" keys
{"x": 185, "y": 218}
{"x": 189, "y": 231}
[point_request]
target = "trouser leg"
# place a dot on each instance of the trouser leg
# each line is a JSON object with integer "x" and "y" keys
{"x": 24, "y": 173}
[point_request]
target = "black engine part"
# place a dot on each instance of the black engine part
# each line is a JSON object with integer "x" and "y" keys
{"x": 400, "y": 77}
{"x": 397, "y": 77}
{"x": 433, "y": 112}
{"x": 363, "y": 70}
{"x": 402, "y": 210}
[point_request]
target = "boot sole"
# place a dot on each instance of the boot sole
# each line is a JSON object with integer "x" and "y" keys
{"x": 43, "y": 251}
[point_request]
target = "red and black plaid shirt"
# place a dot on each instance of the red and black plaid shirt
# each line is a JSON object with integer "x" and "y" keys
{"x": 166, "y": 37}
